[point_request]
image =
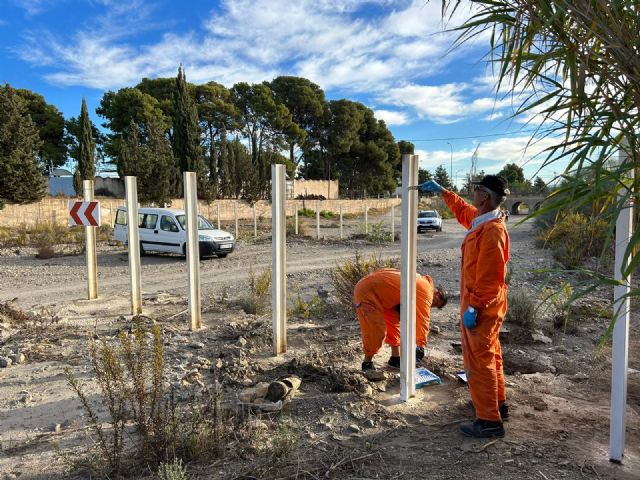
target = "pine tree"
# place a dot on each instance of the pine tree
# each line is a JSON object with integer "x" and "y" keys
{"x": 442, "y": 177}
{"x": 21, "y": 179}
{"x": 86, "y": 169}
{"x": 186, "y": 134}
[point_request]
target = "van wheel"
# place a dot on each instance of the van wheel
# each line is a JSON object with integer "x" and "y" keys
{"x": 143, "y": 252}
{"x": 439, "y": 229}
{"x": 222, "y": 255}
{"x": 184, "y": 250}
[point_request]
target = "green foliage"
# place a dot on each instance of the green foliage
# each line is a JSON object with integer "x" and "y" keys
{"x": 406, "y": 148}
{"x": 540, "y": 186}
{"x": 442, "y": 177}
{"x": 307, "y": 212}
{"x": 173, "y": 470}
{"x": 575, "y": 237}
{"x": 307, "y": 309}
{"x": 377, "y": 233}
{"x": 257, "y": 298}
{"x": 559, "y": 303}
{"x": 512, "y": 173}
{"x": 424, "y": 175}
{"x": 346, "y": 275}
{"x": 327, "y": 214}
{"x": 21, "y": 179}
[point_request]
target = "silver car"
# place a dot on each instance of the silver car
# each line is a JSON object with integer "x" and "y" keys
{"x": 429, "y": 220}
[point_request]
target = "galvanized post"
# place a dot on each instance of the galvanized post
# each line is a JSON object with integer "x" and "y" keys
{"x": 408, "y": 243}
{"x": 621, "y": 312}
{"x": 193, "y": 248}
{"x": 279, "y": 275}
{"x": 295, "y": 205}
{"x": 90, "y": 239}
{"x": 255, "y": 222}
{"x": 341, "y": 231}
{"x": 393, "y": 223}
{"x": 235, "y": 215}
{"x": 218, "y": 214}
{"x": 318, "y": 219}
{"x": 133, "y": 240}
{"x": 366, "y": 218}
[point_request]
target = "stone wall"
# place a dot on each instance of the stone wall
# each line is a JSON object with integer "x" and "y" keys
{"x": 56, "y": 210}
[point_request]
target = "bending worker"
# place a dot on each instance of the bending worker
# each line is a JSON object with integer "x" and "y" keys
{"x": 483, "y": 299}
{"x": 377, "y": 302}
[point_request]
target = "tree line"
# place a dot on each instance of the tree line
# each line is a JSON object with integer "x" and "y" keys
{"x": 162, "y": 127}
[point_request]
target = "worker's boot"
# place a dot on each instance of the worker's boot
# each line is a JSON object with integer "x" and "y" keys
{"x": 367, "y": 366}
{"x": 394, "y": 362}
{"x": 419, "y": 354}
{"x": 503, "y": 408}
{"x": 482, "y": 429}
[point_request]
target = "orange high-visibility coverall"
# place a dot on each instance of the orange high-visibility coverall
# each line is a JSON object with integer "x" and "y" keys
{"x": 376, "y": 298}
{"x": 485, "y": 253}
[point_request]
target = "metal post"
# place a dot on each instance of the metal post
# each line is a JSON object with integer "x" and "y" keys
{"x": 218, "y": 214}
{"x": 366, "y": 218}
{"x": 193, "y": 248}
{"x": 620, "y": 352}
{"x": 235, "y": 216}
{"x": 393, "y": 223}
{"x": 279, "y": 275}
{"x": 133, "y": 240}
{"x": 255, "y": 222}
{"x": 295, "y": 205}
{"x": 408, "y": 243}
{"x": 318, "y": 219}
{"x": 90, "y": 238}
{"x": 341, "y": 231}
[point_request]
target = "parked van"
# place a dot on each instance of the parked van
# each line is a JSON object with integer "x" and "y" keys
{"x": 163, "y": 230}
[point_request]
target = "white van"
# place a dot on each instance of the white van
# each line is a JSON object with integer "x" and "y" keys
{"x": 163, "y": 230}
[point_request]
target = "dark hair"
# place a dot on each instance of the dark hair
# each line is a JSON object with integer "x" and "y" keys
{"x": 443, "y": 294}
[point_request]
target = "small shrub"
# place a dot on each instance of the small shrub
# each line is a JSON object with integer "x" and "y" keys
{"x": 314, "y": 307}
{"x": 303, "y": 228}
{"x": 307, "y": 212}
{"x": 378, "y": 233}
{"x": 521, "y": 309}
{"x": 311, "y": 196}
{"x": 326, "y": 214}
{"x": 172, "y": 471}
{"x": 45, "y": 253}
{"x": 575, "y": 237}
{"x": 559, "y": 304}
{"x": 345, "y": 276}
{"x": 256, "y": 301}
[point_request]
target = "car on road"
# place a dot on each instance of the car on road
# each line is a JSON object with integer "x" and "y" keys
{"x": 163, "y": 230}
{"x": 429, "y": 220}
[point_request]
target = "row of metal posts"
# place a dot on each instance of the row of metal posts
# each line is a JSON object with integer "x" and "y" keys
{"x": 408, "y": 276}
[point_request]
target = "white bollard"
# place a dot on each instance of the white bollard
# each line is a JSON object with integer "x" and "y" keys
{"x": 408, "y": 242}
{"x": 341, "y": 231}
{"x": 393, "y": 223}
{"x": 279, "y": 259}
{"x": 620, "y": 350}
{"x": 218, "y": 214}
{"x": 366, "y": 218}
{"x": 255, "y": 222}
{"x": 296, "y": 215}
{"x": 90, "y": 239}
{"x": 235, "y": 216}
{"x": 133, "y": 239}
{"x": 193, "y": 247}
{"x": 318, "y": 219}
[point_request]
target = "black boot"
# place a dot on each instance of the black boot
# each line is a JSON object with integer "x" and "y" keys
{"x": 394, "y": 362}
{"x": 503, "y": 408}
{"x": 367, "y": 366}
{"x": 482, "y": 429}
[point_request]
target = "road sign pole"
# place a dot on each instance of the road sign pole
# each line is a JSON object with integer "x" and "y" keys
{"x": 393, "y": 223}
{"x": 235, "y": 216}
{"x": 408, "y": 242}
{"x": 255, "y": 222}
{"x": 279, "y": 270}
{"x": 341, "y": 224}
{"x": 296, "y": 215}
{"x": 366, "y": 218}
{"x": 193, "y": 248}
{"x": 90, "y": 238}
{"x": 318, "y": 219}
{"x": 133, "y": 236}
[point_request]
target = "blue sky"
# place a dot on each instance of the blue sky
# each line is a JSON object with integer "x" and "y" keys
{"x": 393, "y": 56}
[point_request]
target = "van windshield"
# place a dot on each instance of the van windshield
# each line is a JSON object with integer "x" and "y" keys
{"x": 203, "y": 224}
{"x": 427, "y": 215}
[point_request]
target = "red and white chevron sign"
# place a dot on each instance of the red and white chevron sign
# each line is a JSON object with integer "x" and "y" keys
{"x": 84, "y": 213}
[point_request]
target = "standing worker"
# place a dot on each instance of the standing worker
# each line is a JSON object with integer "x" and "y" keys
{"x": 377, "y": 303}
{"x": 483, "y": 299}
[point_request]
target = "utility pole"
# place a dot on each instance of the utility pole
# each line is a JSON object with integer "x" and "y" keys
{"x": 451, "y": 165}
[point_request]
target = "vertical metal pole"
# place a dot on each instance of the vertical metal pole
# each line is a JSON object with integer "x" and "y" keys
{"x": 341, "y": 231}
{"x": 218, "y": 214}
{"x": 279, "y": 275}
{"x": 318, "y": 219}
{"x": 620, "y": 352}
{"x": 296, "y": 215}
{"x": 393, "y": 223}
{"x": 193, "y": 248}
{"x": 90, "y": 238}
{"x": 235, "y": 216}
{"x": 133, "y": 239}
{"x": 255, "y": 222}
{"x": 408, "y": 241}
{"x": 366, "y": 218}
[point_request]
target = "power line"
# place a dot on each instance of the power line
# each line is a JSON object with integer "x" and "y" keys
{"x": 471, "y": 137}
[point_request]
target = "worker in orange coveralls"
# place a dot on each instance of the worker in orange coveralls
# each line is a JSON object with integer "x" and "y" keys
{"x": 483, "y": 299}
{"x": 377, "y": 303}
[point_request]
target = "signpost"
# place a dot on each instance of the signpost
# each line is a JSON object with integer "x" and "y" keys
{"x": 279, "y": 259}
{"x": 133, "y": 238}
{"x": 193, "y": 248}
{"x": 87, "y": 214}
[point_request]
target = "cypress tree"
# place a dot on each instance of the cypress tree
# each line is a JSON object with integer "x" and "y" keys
{"x": 164, "y": 173}
{"x": 186, "y": 133}
{"x": 21, "y": 179}
{"x": 86, "y": 169}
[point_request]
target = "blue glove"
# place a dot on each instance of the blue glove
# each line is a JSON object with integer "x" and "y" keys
{"x": 470, "y": 317}
{"x": 430, "y": 186}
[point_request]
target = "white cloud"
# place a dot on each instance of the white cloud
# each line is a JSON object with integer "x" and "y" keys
{"x": 34, "y": 7}
{"x": 447, "y": 103}
{"x": 493, "y": 116}
{"x": 392, "y": 117}
{"x": 331, "y": 42}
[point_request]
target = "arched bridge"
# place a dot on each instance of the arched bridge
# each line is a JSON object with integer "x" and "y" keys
{"x": 514, "y": 203}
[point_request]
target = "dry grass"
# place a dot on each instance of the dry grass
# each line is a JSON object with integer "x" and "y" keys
{"x": 522, "y": 309}
{"x": 47, "y": 234}
{"x": 256, "y": 300}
